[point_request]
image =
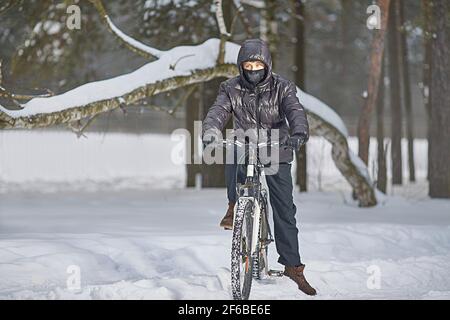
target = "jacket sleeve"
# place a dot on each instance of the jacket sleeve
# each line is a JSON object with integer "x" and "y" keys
{"x": 219, "y": 113}
{"x": 294, "y": 111}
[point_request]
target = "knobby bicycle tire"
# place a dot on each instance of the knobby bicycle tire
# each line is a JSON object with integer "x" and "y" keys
{"x": 241, "y": 291}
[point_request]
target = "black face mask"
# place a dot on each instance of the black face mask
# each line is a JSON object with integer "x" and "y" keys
{"x": 254, "y": 76}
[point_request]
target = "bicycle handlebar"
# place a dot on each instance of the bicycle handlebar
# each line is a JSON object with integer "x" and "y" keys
{"x": 261, "y": 144}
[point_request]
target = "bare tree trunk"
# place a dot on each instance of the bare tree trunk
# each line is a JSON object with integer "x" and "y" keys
{"x": 440, "y": 102}
{"x": 302, "y": 176}
{"x": 382, "y": 172}
{"x": 346, "y": 25}
{"x": 213, "y": 175}
{"x": 192, "y": 114}
{"x": 376, "y": 58}
{"x": 426, "y": 8}
{"x": 396, "y": 106}
{"x": 407, "y": 93}
{"x": 269, "y": 28}
{"x": 345, "y": 48}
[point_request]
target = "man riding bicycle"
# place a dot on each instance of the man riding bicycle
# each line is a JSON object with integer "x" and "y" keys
{"x": 260, "y": 98}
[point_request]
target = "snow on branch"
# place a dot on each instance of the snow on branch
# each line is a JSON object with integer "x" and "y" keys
{"x": 178, "y": 62}
{"x": 259, "y": 4}
{"x": 131, "y": 43}
{"x": 177, "y": 67}
{"x": 134, "y": 44}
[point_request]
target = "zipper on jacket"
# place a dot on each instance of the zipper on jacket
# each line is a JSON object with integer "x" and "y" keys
{"x": 258, "y": 113}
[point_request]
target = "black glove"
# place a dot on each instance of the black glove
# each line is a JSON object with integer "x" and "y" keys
{"x": 207, "y": 142}
{"x": 295, "y": 141}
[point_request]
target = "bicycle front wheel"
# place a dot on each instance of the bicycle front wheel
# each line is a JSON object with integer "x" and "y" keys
{"x": 241, "y": 258}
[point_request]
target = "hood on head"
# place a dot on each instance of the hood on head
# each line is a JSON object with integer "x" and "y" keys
{"x": 254, "y": 49}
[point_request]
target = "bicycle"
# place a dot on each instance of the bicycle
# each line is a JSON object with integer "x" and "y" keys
{"x": 251, "y": 230}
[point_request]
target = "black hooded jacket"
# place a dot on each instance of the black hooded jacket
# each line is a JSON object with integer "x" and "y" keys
{"x": 275, "y": 96}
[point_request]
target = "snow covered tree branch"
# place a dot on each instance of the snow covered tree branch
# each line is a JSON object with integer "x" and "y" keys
{"x": 259, "y": 4}
{"x": 194, "y": 64}
{"x": 132, "y": 44}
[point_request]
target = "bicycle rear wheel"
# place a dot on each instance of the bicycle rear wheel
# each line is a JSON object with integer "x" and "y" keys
{"x": 241, "y": 259}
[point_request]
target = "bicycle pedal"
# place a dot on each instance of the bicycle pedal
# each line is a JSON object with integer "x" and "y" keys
{"x": 275, "y": 273}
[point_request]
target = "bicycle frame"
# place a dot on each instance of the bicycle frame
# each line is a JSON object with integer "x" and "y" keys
{"x": 252, "y": 197}
{"x": 252, "y": 190}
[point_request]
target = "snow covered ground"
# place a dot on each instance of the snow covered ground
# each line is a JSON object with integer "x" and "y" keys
{"x": 111, "y": 213}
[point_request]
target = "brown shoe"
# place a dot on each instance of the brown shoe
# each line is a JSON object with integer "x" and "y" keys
{"x": 296, "y": 274}
{"x": 227, "y": 221}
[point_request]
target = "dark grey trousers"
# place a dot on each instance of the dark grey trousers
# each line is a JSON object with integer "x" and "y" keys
{"x": 283, "y": 208}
